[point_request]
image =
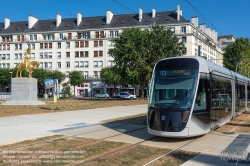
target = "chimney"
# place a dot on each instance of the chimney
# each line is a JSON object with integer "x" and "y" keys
{"x": 32, "y": 21}
{"x": 178, "y": 12}
{"x": 194, "y": 20}
{"x": 202, "y": 27}
{"x": 79, "y": 18}
{"x": 153, "y": 13}
{"x": 140, "y": 14}
{"x": 213, "y": 34}
{"x": 216, "y": 36}
{"x": 58, "y": 20}
{"x": 6, "y": 22}
{"x": 109, "y": 16}
{"x": 208, "y": 31}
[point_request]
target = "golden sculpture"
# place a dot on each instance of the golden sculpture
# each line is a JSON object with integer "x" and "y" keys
{"x": 26, "y": 65}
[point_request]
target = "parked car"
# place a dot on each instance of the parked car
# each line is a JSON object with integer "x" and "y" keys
{"x": 125, "y": 95}
{"x": 102, "y": 94}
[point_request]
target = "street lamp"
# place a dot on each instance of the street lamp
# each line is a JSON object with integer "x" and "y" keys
{"x": 236, "y": 59}
{"x": 10, "y": 80}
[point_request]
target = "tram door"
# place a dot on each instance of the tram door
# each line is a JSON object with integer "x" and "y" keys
{"x": 248, "y": 97}
{"x": 240, "y": 95}
{"x": 221, "y": 103}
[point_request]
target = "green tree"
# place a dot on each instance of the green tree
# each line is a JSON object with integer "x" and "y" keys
{"x": 57, "y": 75}
{"x": 235, "y": 55}
{"x": 75, "y": 79}
{"x": 65, "y": 90}
{"x": 110, "y": 76}
{"x": 40, "y": 74}
{"x": 136, "y": 51}
{"x": 5, "y": 77}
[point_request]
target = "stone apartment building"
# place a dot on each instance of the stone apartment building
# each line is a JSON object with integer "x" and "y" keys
{"x": 82, "y": 43}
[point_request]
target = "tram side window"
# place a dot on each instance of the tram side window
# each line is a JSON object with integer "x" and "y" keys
{"x": 221, "y": 94}
{"x": 240, "y": 96}
{"x": 248, "y": 96}
{"x": 201, "y": 101}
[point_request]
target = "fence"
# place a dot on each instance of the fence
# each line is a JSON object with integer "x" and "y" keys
{"x": 5, "y": 95}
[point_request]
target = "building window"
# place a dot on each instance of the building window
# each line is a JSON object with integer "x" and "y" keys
{"x": 85, "y": 35}
{"x": 7, "y": 56}
{"x": 16, "y": 56}
{"x": 81, "y": 64}
{"x": 113, "y": 34}
{"x": 85, "y": 74}
{"x": 86, "y": 54}
{"x": 33, "y": 37}
{"x": 95, "y": 74}
{"x": 41, "y": 65}
{"x": 100, "y": 64}
{"x": 76, "y": 64}
{"x": 69, "y": 36}
{"x": 67, "y": 54}
{"x": 50, "y": 55}
{"x": 60, "y": 36}
{"x": 76, "y": 54}
{"x": 86, "y": 64}
{"x": 45, "y": 55}
{"x": 184, "y": 39}
{"x": 183, "y": 29}
{"x": 67, "y": 44}
{"x": 110, "y": 63}
{"x": 76, "y": 44}
{"x": 59, "y": 45}
{"x": 95, "y": 63}
{"x": 99, "y": 34}
{"x": 32, "y": 56}
{"x": 58, "y": 55}
{"x": 67, "y": 64}
{"x": 98, "y": 53}
{"x": 98, "y": 43}
{"x": 101, "y": 43}
{"x": 58, "y": 64}
{"x": 41, "y": 45}
{"x": 111, "y": 43}
{"x": 48, "y": 37}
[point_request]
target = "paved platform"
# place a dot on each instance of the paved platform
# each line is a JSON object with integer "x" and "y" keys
{"x": 19, "y": 128}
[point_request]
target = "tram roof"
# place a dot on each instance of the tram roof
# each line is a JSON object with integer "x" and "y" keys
{"x": 208, "y": 66}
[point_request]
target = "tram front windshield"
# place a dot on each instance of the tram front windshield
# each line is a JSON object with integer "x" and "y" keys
{"x": 173, "y": 89}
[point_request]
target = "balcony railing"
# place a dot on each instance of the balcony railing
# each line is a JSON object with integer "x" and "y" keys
{"x": 91, "y": 77}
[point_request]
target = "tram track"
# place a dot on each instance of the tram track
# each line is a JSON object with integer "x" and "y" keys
{"x": 165, "y": 154}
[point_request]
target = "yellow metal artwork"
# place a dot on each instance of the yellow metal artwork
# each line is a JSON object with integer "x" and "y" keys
{"x": 26, "y": 65}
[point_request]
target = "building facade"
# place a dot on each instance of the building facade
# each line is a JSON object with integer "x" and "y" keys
{"x": 225, "y": 40}
{"x": 82, "y": 43}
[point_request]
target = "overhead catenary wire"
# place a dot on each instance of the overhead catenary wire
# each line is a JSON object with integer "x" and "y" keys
{"x": 125, "y": 7}
{"x": 202, "y": 16}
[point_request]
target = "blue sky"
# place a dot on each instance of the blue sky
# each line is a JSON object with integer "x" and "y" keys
{"x": 226, "y": 16}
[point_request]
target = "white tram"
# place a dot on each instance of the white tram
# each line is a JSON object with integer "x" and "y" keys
{"x": 191, "y": 96}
